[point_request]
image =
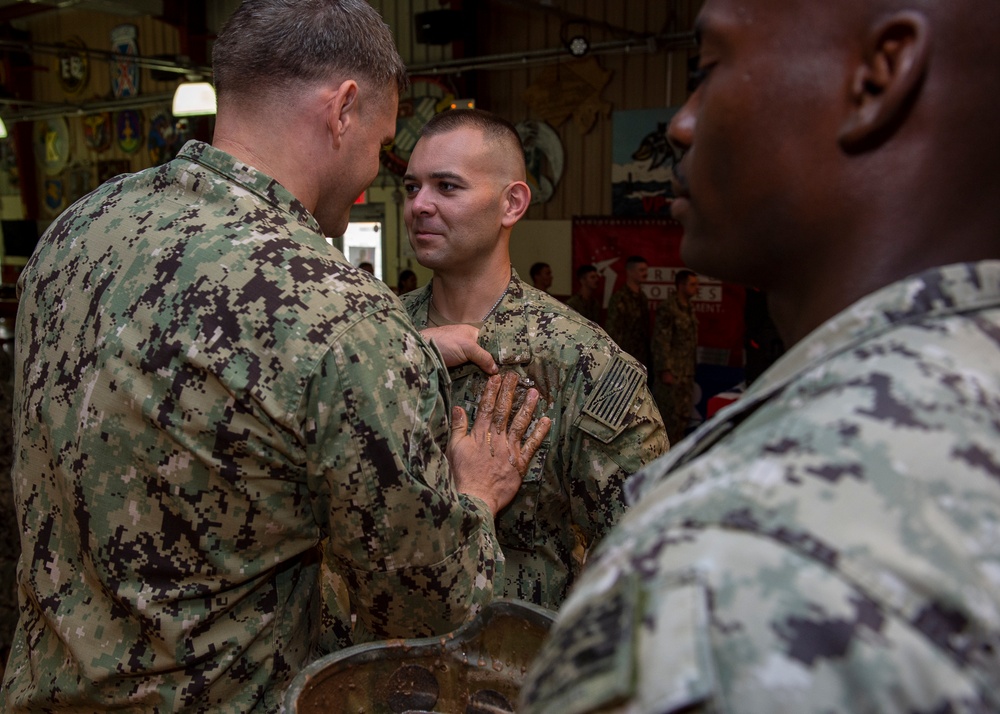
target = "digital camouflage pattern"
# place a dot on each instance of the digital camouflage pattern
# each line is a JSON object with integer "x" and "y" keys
{"x": 675, "y": 350}
{"x": 206, "y": 390}
{"x": 628, "y": 323}
{"x": 605, "y": 426}
{"x": 829, "y": 543}
{"x": 10, "y": 544}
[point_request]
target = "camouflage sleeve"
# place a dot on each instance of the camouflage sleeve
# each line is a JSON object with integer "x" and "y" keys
{"x": 647, "y": 632}
{"x": 418, "y": 559}
{"x": 663, "y": 333}
{"x": 617, "y": 431}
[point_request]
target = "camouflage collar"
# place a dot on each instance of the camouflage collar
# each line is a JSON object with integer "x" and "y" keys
{"x": 504, "y": 333}
{"x": 254, "y": 181}
{"x": 935, "y": 293}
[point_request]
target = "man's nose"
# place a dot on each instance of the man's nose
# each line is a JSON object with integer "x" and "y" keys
{"x": 680, "y": 133}
{"x": 420, "y": 201}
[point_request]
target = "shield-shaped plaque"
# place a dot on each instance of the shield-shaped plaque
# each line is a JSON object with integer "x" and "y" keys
{"x": 124, "y": 70}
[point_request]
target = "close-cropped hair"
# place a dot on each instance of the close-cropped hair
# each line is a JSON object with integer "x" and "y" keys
{"x": 634, "y": 260}
{"x": 681, "y": 277}
{"x": 584, "y": 270}
{"x": 271, "y": 46}
{"x": 496, "y": 130}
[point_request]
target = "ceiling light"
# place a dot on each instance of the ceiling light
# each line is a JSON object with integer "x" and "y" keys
{"x": 578, "y": 46}
{"x": 193, "y": 99}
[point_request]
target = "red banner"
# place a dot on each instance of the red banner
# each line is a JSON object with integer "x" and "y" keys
{"x": 606, "y": 243}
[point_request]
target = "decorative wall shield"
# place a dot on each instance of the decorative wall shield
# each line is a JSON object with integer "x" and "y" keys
{"x": 128, "y": 130}
{"x": 124, "y": 70}
{"x": 54, "y": 198}
{"x": 98, "y": 130}
{"x": 74, "y": 66}
{"x": 52, "y": 144}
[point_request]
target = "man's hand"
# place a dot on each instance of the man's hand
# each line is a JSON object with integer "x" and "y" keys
{"x": 459, "y": 344}
{"x": 490, "y": 461}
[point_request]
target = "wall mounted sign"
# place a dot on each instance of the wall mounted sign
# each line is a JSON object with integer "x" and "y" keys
{"x": 52, "y": 144}
{"x": 74, "y": 67}
{"x": 543, "y": 157}
{"x": 128, "y": 130}
{"x": 641, "y": 162}
{"x": 97, "y": 131}
{"x": 606, "y": 244}
{"x": 124, "y": 70}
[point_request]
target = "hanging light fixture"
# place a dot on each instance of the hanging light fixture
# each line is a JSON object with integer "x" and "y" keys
{"x": 3, "y": 130}
{"x": 193, "y": 98}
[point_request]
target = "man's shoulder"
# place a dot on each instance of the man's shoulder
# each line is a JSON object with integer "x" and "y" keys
{"x": 559, "y": 321}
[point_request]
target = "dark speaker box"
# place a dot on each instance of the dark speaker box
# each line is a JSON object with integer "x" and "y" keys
{"x": 438, "y": 27}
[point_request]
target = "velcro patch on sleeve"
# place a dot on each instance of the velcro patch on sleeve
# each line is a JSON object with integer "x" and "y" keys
{"x": 611, "y": 400}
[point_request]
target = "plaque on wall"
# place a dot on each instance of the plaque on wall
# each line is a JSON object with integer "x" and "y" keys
{"x": 128, "y": 130}
{"x": 124, "y": 70}
{"x": 74, "y": 67}
{"x": 54, "y": 198}
{"x": 97, "y": 131}
{"x": 52, "y": 144}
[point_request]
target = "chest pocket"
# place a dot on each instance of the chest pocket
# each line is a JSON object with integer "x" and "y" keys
{"x": 515, "y": 524}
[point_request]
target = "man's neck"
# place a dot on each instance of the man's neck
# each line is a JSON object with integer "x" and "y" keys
{"x": 469, "y": 298}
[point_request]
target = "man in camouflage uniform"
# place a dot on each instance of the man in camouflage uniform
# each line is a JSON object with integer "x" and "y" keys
{"x": 587, "y": 299}
{"x": 628, "y": 312}
{"x": 206, "y": 390}
{"x": 675, "y": 354}
{"x": 465, "y": 190}
{"x": 829, "y": 542}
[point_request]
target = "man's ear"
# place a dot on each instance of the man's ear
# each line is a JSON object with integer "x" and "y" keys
{"x": 518, "y": 199}
{"x": 342, "y": 110}
{"x": 887, "y": 82}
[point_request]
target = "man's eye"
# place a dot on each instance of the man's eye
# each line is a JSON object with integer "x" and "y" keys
{"x": 696, "y": 73}
{"x": 410, "y": 188}
{"x": 696, "y": 77}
